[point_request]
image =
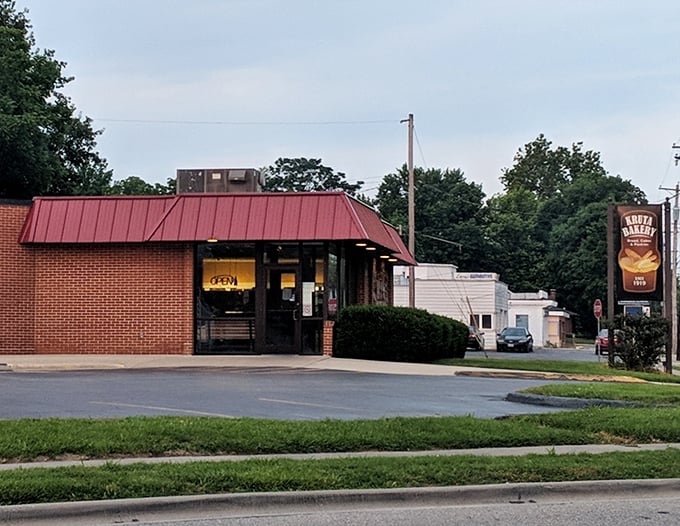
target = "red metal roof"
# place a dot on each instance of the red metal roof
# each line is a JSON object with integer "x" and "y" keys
{"x": 327, "y": 216}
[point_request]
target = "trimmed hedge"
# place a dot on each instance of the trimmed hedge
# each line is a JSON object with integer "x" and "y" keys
{"x": 397, "y": 334}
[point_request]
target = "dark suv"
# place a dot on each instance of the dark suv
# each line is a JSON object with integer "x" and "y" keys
{"x": 514, "y": 339}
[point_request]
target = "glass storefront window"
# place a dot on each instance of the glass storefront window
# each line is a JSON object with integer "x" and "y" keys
{"x": 227, "y": 280}
{"x": 225, "y": 298}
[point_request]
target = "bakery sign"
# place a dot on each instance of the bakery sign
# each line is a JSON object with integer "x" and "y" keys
{"x": 639, "y": 253}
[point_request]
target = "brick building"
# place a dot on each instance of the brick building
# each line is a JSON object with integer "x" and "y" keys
{"x": 189, "y": 273}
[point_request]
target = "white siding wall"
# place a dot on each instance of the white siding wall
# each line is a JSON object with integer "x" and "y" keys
{"x": 441, "y": 290}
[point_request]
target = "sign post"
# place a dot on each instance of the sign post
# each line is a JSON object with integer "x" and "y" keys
{"x": 597, "y": 311}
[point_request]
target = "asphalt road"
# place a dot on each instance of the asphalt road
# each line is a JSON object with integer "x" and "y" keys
{"x": 605, "y": 512}
{"x": 293, "y": 394}
{"x": 601, "y": 503}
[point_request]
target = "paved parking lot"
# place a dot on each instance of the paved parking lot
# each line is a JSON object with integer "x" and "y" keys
{"x": 584, "y": 354}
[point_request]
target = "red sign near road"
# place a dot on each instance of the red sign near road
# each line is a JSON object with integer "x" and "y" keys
{"x": 597, "y": 309}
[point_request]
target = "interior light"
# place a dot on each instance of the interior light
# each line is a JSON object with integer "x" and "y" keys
{"x": 361, "y": 244}
{"x": 212, "y": 240}
{"x": 384, "y": 256}
{"x": 371, "y": 248}
{"x": 392, "y": 260}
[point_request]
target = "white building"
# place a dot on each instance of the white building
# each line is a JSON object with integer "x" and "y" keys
{"x": 530, "y": 310}
{"x": 538, "y": 312}
{"x": 479, "y": 298}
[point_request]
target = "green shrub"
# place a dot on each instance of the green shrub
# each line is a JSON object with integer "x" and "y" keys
{"x": 402, "y": 334}
{"x": 639, "y": 342}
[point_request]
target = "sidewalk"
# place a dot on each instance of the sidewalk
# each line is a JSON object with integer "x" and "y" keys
{"x": 66, "y": 362}
{"x": 75, "y": 362}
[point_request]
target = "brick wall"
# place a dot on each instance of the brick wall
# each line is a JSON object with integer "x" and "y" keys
{"x": 16, "y": 282}
{"x": 114, "y": 298}
{"x": 327, "y": 346}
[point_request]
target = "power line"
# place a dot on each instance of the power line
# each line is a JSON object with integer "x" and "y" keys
{"x": 420, "y": 149}
{"x": 245, "y": 123}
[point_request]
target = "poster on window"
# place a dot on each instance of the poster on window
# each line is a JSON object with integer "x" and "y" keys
{"x": 307, "y": 298}
{"x": 638, "y": 252}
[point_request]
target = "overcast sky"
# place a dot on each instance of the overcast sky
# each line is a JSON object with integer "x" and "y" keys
{"x": 240, "y": 83}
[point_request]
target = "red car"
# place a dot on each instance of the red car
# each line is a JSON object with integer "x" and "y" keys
{"x": 602, "y": 341}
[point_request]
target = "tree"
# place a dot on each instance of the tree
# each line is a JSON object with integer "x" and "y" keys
{"x": 449, "y": 215}
{"x": 545, "y": 171}
{"x": 518, "y": 246}
{"x": 134, "y": 185}
{"x": 306, "y": 175}
{"x": 45, "y": 148}
{"x": 550, "y": 226}
{"x": 577, "y": 262}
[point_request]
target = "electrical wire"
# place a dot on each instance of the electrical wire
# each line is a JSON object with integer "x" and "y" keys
{"x": 244, "y": 123}
{"x": 420, "y": 149}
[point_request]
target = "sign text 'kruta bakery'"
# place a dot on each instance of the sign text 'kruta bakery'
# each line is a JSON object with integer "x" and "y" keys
{"x": 638, "y": 224}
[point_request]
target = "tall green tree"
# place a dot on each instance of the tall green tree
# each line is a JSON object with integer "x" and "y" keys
{"x": 549, "y": 228}
{"x": 449, "y": 215}
{"x": 576, "y": 260}
{"x": 306, "y": 175}
{"x": 544, "y": 170}
{"x": 517, "y": 243}
{"x": 46, "y": 148}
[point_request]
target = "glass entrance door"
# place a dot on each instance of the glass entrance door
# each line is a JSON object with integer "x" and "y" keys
{"x": 282, "y": 327}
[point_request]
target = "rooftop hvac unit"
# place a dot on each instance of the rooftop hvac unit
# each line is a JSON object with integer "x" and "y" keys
{"x": 218, "y": 180}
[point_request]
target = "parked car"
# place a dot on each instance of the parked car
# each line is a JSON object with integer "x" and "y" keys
{"x": 515, "y": 339}
{"x": 475, "y": 339}
{"x": 602, "y": 340}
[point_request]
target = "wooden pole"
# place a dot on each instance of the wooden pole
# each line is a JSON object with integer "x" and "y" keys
{"x": 611, "y": 261}
{"x": 411, "y": 216}
{"x": 668, "y": 280}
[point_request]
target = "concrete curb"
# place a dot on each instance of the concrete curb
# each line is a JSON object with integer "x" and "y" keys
{"x": 127, "y": 510}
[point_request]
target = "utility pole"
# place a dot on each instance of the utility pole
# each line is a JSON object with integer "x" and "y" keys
{"x": 674, "y": 258}
{"x": 411, "y": 214}
{"x": 669, "y": 305}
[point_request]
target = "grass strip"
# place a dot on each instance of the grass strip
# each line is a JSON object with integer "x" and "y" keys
{"x": 142, "y": 480}
{"x": 615, "y": 425}
{"x": 559, "y": 366}
{"x": 649, "y": 394}
{"x": 30, "y": 439}
{"x": 37, "y": 439}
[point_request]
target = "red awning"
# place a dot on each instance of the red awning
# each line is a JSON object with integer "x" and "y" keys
{"x": 321, "y": 216}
